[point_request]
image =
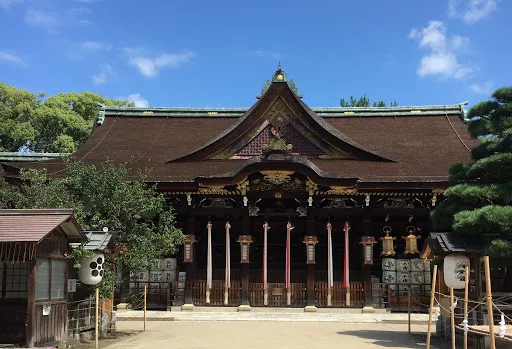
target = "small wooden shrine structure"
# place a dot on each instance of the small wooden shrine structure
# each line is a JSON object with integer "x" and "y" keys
{"x": 257, "y": 189}
{"x": 34, "y": 274}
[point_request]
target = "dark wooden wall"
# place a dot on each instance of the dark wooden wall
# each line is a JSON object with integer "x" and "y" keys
{"x": 44, "y": 329}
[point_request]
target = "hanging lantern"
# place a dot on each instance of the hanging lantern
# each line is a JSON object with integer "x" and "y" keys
{"x": 188, "y": 248}
{"x": 411, "y": 241}
{"x": 387, "y": 242}
{"x": 455, "y": 270}
{"x": 91, "y": 269}
{"x": 310, "y": 242}
{"x": 245, "y": 242}
{"x": 368, "y": 242}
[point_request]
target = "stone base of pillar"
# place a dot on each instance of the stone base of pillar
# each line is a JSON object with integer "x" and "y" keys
{"x": 123, "y": 307}
{"x": 244, "y": 307}
{"x": 310, "y": 309}
{"x": 187, "y": 307}
{"x": 368, "y": 310}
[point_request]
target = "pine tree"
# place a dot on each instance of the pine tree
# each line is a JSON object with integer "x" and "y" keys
{"x": 479, "y": 202}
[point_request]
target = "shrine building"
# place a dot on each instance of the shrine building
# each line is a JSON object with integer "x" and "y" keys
{"x": 287, "y": 205}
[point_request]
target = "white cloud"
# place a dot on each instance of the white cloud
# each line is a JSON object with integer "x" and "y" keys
{"x": 441, "y": 58}
{"x": 5, "y": 4}
{"x": 471, "y": 11}
{"x": 41, "y": 18}
{"x": 265, "y": 54}
{"x": 52, "y": 20}
{"x": 484, "y": 88}
{"x": 149, "y": 66}
{"x": 137, "y": 99}
{"x": 104, "y": 74}
{"x": 95, "y": 45}
{"x": 7, "y": 57}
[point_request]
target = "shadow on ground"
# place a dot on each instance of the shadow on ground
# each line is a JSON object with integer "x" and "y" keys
{"x": 388, "y": 339}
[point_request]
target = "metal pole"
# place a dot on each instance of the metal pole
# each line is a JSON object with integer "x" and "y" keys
{"x": 489, "y": 302}
{"x": 432, "y": 297}
{"x": 466, "y": 297}
{"x": 452, "y": 317}
{"x": 96, "y": 324}
{"x": 145, "y": 292}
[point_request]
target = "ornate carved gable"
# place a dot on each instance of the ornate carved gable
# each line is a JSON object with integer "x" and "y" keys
{"x": 279, "y": 128}
{"x": 281, "y": 122}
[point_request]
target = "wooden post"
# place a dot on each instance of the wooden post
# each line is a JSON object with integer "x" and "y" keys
{"x": 310, "y": 285}
{"x": 489, "y": 301}
{"x": 452, "y": 317}
{"x": 145, "y": 303}
{"x": 409, "y": 307}
{"x": 96, "y": 322}
{"x": 329, "y": 295}
{"x": 432, "y": 297}
{"x": 466, "y": 298}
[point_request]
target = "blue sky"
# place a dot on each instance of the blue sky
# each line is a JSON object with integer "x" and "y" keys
{"x": 219, "y": 53}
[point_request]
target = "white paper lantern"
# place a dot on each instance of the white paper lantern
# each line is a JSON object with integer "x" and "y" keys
{"x": 403, "y": 277}
{"x": 416, "y": 264}
{"x": 389, "y": 277}
{"x": 403, "y": 265}
{"x": 91, "y": 269}
{"x": 389, "y": 264}
{"x": 455, "y": 269}
{"x": 169, "y": 264}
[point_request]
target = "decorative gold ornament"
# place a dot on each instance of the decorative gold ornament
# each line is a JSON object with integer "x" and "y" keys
{"x": 411, "y": 241}
{"x": 387, "y": 243}
{"x": 338, "y": 190}
{"x": 277, "y": 177}
{"x": 311, "y": 187}
{"x": 215, "y": 190}
{"x": 243, "y": 187}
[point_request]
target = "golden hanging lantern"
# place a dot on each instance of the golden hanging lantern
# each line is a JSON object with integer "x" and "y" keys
{"x": 387, "y": 243}
{"x": 411, "y": 241}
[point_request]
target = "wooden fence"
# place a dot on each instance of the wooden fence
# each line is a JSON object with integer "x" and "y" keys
{"x": 338, "y": 296}
{"x": 217, "y": 293}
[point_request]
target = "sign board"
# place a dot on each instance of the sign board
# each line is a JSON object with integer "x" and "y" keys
{"x": 47, "y": 309}
{"x": 71, "y": 285}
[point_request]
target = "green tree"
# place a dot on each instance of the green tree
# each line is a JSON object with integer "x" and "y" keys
{"x": 61, "y": 123}
{"x": 479, "y": 202}
{"x": 101, "y": 197}
{"x": 364, "y": 102}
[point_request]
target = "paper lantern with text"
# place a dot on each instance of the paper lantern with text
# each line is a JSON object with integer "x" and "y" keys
{"x": 454, "y": 270}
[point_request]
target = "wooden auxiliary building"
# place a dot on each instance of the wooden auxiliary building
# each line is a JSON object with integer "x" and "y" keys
{"x": 287, "y": 171}
{"x": 34, "y": 273}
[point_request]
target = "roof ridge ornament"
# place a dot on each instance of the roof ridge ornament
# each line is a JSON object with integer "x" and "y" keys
{"x": 279, "y": 75}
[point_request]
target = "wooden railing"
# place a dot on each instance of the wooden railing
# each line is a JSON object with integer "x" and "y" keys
{"x": 216, "y": 293}
{"x": 338, "y": 297}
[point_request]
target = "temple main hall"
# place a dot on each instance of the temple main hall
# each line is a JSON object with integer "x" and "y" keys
{"x": 285, "y": 205}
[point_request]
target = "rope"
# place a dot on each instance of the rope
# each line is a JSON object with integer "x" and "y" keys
{"x": 453, "y": 128}
{"x": 93, "y": 148}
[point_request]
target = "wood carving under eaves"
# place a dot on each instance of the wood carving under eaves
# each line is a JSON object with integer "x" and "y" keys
{"x": 215, "y": 190}
{"x": 337, "y": 190}
{"x": 277, "y": 177}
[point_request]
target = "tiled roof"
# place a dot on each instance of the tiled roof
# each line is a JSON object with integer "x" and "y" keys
{"x": 35, "y": 225}
{"x": 96, "y": 241}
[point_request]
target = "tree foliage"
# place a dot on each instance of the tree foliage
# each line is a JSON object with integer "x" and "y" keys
{"x": 480, "y": 200}
{"x": 364, "y": 102}
{"x": 101, "y": 197}
{"x": 60, "y": 123}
